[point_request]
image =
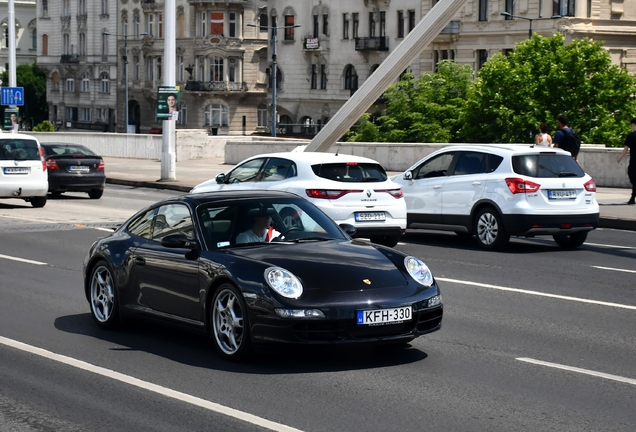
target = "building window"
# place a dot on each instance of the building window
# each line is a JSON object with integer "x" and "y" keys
{"x": 124, "y": 27}
{"x": 104, "y": 86}
{"x": 510, "y": 8}
{"x": 183, "y": 115}
{"x": 563, "y": 7}
{"x": 202, "y": 23}
{"x": 371, "y": 24}
{"x": 216, "y": 69}
{"x": 45, "y": 45}
{"x": 232, "y": 25}
{"x": 262, "y": 23}
{"x": 71, "y": 113}
{"x": 70, "y": 85}
{"x": 325, "y": 25}
{"x": 85, "y": 114}
{"x": 86, "y": 83}
{"x": 351, "y": 78}
{"x": 216, "y": 23}
{"x": 262, "y": 115}
{"x": 483, "y": 10}
{"x": 289, "y": 27}
{"x": 81, "y": 10}
{"x": 149, "y": 69}
{"x": 104, "y": 44}
{"x": 34, "y": 38}
{"x": 66, "y": 44}
{"x": 316, "y": 27}
{"x": 382, "y": 24}
{"x": 356, "y": 24}
{"x": 323, "y": 77}
{"x": 45, "y": 8}
{"x": 101, "y": 115}
{"x": 150, "y": 24}
{"x": 136, "y": 26}
{"x": 159, "y": 68}
{"x": 314, "y": 76}
{"x": 136, "y": 68}
{"x": 104, "y": 7}
{"x": 180, "y": 68}
{"x": 66, "y": 8}
{"x": 217, "y": 115}
{"x": 400, "y": 24}
{"x": 345, "y": 26}
{"x": 82, "y": 44}
{"x": 160, "y": 24}
{"x": 482, "y": 58}
{"x": 411, "y": 20}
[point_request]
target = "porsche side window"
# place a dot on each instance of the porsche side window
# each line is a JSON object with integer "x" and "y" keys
{"x": 436, "y": 167}
{"x": 246, "y": 172}
{"x": 172, "y": 219}
{"x": 141, "y": 226}
{"x": 278, "y": 169}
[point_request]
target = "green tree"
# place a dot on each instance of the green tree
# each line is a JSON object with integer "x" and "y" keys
{"x": 45, "y": 126}
{"x": 426, "y": 109}
{"x": 31, "y": 77}
{"x": 542, "y": 78}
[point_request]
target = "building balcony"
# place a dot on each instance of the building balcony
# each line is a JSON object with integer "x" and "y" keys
{"x": 450, "y": 33}
{"x": 69, "y": 58}
{"x": 372, "y": 44}
{"x": 216, "y": 86}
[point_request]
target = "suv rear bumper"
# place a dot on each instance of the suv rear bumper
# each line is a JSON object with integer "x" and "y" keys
{"x": 517, "y": 224}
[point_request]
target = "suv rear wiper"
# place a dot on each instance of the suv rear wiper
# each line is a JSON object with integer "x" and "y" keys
{"x": 567, "y": 174}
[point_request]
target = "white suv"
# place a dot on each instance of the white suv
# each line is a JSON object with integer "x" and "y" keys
{"x": 495, "y": 191}
{"x": 23, "y": 169}
{"x": 349, "y": 189}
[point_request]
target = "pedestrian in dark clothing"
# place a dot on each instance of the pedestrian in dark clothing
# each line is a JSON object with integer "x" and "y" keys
{"x": 630, "y": 146}
{"x": 561, "y": 139}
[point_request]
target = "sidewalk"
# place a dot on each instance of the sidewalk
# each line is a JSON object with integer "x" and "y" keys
{"x": 146, "y": 173}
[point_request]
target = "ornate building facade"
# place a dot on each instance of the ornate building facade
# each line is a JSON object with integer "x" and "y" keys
{"x": 25, "y": 33}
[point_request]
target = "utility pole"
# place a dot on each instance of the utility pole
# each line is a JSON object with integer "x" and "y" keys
{"x": 12, "y": 76}
{"x": 168, "y": 150}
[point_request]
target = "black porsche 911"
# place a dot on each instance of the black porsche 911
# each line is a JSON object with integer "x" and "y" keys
{"x": 74, "y": 168}
{"x": 258, "y": 267}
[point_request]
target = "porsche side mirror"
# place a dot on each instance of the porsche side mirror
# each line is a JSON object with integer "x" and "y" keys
{"x": 348, "y": 228}
{"x": 178, "y": 241}
{"x": 220, "y": 178}
{"x": 408, "y": 175}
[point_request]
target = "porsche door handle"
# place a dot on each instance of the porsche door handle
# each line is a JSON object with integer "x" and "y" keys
{"x": 140, "y": 261}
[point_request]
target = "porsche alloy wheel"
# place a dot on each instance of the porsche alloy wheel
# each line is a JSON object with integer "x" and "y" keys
{"x": 103, "y": 296}
{"x": 230, "y": 329}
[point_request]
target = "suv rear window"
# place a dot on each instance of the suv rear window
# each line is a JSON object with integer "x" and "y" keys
{"x": 351, "y": 172}
{"x": 546, "y": 166}
{"x": 19, "y": 149}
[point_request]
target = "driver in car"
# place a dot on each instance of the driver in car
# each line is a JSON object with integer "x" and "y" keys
{"x": 261, "y": 231}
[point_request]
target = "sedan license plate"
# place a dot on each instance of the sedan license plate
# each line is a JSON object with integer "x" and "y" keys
{"x": 384, "y": 316}
{"x": 370, "y": 216}
{"x": 562, "y": 194}
{"x": 16, "y": 170}
{"x": 80, "y": 169}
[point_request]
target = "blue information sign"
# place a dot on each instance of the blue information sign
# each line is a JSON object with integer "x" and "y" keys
{"x": 12, "y": 95}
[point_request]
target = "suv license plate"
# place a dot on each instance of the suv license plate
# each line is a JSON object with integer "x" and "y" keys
{"x": 562, "y": 194}
{"x": 16, "y": 170}
{"x": 370, "y": 216}
{"x": 384, "y": 316}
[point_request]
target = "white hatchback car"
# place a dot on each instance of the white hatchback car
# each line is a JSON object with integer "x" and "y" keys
{"x": 23, "y": 169}
{"x": 495, "y": 191}
{"x": 349, "y": 189}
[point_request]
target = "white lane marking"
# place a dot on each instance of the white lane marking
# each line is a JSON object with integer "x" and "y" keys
{"x": 164, "y": 391}
{"x": 537, "y": 293}
{"x": 615, "y": 269}
{"x": 22, "y": 260}
{"x": 610, "y": 246}
{"x": 579, "y": 370}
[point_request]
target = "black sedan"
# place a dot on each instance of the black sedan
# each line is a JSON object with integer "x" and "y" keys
{"x": 74, "y": 168}
{"x": 258, "y": 267}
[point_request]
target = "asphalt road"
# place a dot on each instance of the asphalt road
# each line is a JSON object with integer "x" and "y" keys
{"x": 534, "y": 338}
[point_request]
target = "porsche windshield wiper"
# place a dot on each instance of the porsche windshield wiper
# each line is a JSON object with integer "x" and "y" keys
{"x": 310, "y": 239}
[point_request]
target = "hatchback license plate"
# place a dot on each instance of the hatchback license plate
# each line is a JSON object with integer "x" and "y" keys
{"x": 562, "y": 194}
{"x": 370, "y": 216}
{"x": 384, "y": 316}
{"x": 16, "y": 170}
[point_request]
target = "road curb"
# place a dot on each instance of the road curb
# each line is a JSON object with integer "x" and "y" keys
{"x": 621, "y": 224}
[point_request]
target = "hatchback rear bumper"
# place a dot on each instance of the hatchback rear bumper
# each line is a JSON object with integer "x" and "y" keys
{"x": 517, "y": 224}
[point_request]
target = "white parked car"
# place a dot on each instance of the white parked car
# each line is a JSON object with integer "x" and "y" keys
{"x": 23, "y": 169}
{"x": 495, "y": 191}
{"x": 349, "y": 189}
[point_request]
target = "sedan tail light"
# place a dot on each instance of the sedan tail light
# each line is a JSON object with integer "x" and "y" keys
{"x": 395, "y": 193}
{"x": 590, "y": 185}
{"x": 52, "y": 165}
{"x": 518, "y": 185}
{"x": 100, "y": 167}
{"x": 329, "y": 193}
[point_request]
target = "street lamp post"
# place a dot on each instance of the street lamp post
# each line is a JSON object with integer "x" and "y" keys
{"x": 509, "y": 15}
{"x": 274, "y": 67}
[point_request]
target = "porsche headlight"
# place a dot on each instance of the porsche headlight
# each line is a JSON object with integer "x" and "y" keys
{"x": 283, "y": 282}
{"x": 418, "y": 271}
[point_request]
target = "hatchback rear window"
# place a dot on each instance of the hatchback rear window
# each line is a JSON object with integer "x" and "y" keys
{"x": 351, "y": 172}
{"x": 19, "y": 149}
{"x": 546, "y": 166}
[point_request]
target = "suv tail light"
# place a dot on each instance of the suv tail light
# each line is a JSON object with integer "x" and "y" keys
{"x": 395, "y": 193}
{"x": 328, "y": 193}
{"x": 52, "y": 165}
{"x": 518, "y": 185}
{"x": 590, "y": 185}
{"x": 42, "y": 158}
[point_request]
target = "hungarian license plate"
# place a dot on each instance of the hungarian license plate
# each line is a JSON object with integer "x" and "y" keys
{"x": 562, "y": 194}
{"x": 384, "y": 316}
{"x": 80, "y": 169}
{"x": 16, "y": 170}
{"x": 370, "y": 216}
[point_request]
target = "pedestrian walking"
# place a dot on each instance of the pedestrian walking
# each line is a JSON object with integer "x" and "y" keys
{"x": 630, "y": 146}
{"x": 566, "y": 138}
{"x": 543, "y": 138}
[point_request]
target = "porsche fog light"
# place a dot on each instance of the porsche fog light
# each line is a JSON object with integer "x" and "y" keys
{"x": 283, "y": 282}
{"x": 418, "y": 271}
{"x": 299, "y": 313}
{"x": 435, "y": 301}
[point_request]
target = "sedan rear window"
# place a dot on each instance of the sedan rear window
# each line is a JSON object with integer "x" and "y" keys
{"x": 66, "y": 149}
{"x": 351, "y": 172}
{"x": 19, "y": 149}
{"x": 546, "y": 166}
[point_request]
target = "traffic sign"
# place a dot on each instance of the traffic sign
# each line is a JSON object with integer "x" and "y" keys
{"x": 12, "y": 95}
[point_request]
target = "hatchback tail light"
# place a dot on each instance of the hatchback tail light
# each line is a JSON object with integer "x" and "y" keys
{"x": 395, "y": 193}
{"x": 100, "y": 167}
{"x": 590, "y": 185}
{"x": 329, "y": 193}
{"x": 42, "y": 158}
{"x": 52, "y": 165}
{"x": 518, "y": 185}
